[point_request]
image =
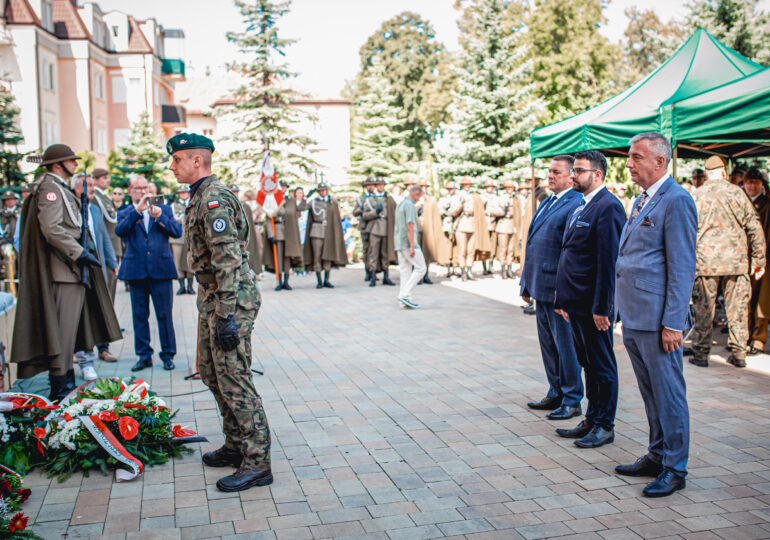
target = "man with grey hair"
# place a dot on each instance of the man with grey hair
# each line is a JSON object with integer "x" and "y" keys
{"x": 411, "y": 262}
{"x": 731, "y": 246}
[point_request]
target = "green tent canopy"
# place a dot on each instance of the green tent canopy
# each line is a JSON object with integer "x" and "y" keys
{"x": 732, "y": 120}
{"x": 701, "y": 64}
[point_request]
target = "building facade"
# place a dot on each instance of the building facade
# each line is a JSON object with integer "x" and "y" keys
{"x": 82, "y": 77}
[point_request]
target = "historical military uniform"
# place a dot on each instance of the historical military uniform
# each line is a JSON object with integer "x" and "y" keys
{"x": 57, "y": 312}
{"x": 434, "y": 244}
{"x": 470, "y": 227}
{"x": 379, "y": 214}
{"x": 759, "y": 308}
{"x": 110, "y": 214}
{"x": 730, "y": 244}
{"x": 288, "y": 248}
{"x": 507, "y": 209}
{"x": 447, "y": 225}
{"x": 179, "y": 207}
{"x": 9, "y": 220}
{"x": 358, "y": 211}
{"x": 326, "y": 247}
{"x": 489, "y": 198}
{"x": 216, "y": 234}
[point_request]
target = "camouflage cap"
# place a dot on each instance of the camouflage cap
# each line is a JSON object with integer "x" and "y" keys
{"x": 185, "y": 141}
{"x": 715, "y": 162}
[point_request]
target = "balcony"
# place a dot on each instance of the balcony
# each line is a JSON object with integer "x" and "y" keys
{"x": 173, "y": 114}
{"x": 172, "y": 69}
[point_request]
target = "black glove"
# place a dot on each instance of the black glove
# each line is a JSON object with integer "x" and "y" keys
{"x": 86, "y": 258}
{"x": 226, "y": 333}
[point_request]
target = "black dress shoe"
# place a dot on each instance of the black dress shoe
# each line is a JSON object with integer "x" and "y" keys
{"x": 168, "y": 364}
{"x": 222, "y": 457}
{"x": 180, "y": 291}
{"x": 545, "y": 404}
{"x": 529, "y": 310}
{"x": 427, "y": 280}
{"x": 665, "y": 484}
{"x": 699, "y": 362}
{"x": 190, "y": 289}
{"x": 245, "y": 479}
{"x": 141, "y": 364}
{"x": 737, "y": 362}
{"x": 577, "y": 432}
{"x": 598, "y": 436}
{"x": 279, "y": 286}
{"x": 644, "y": 466}
{"x": 564, "y": 412}
{"x": 754, "y": 351}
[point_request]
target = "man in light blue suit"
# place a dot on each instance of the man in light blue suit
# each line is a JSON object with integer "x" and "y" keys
{"x": 655, "y": 271}
{"x": 538, "y": 282}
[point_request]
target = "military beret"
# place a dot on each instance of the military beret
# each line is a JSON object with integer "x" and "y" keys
{"x": 185, "y": 141}
{"x": 98, "y": 173}
{"x": 715, "y": 162}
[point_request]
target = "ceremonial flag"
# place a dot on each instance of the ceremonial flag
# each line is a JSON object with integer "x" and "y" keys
{"x": 269, "y": 195}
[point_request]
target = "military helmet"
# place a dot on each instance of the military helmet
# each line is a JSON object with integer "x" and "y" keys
{"x": 465, "y": 181}
{"x": 489, "y": 183}
{"x": 509, "y": 183}
{"x": 423, "y": 183}
{"x": 56, "y": 153}
{"x": 409, "y": 182}
{"x": 184, "y": 188}
{"x": 451, "y": 185}
{"x": 8, "y": 195}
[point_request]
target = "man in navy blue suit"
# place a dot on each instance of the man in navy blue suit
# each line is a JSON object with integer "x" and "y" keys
{"x": 538, "y": 282}
{"x": 655, "y": 274}
{"x": 148, "y": 267}
{"x": 585, "y": 295}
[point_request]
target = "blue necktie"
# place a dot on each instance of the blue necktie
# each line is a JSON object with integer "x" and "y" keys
{"x": 545, "y": 207}
{"x": 576, "y": 213}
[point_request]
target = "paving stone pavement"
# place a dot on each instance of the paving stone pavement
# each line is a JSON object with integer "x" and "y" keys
{"x": 407, "y": 424}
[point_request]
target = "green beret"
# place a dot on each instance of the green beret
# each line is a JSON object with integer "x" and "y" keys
{"x": 185, "y": 141}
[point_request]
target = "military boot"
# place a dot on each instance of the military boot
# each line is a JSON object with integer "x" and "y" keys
{"x": 190, "y": 289}
{"x": 245, "y": 478}
{"x": 373, "y": 279}
{"x": 279, "y": 286}
{"x": 326, "y": 280}
{"x": 59, "y": 385}
{"x": 286, "y": 285}
{"x": 367, "y": 275}
{"x": 320, "y": 283}
{"x": 181, "y": 289}
{"x": 426, "y": 278}
{"x": 463, "y": 274}
{"x": 222, "y": 457}
{"x": 386, "y": 279}
{"x": 487, "y": 271}
{"x": 470, "y": 274}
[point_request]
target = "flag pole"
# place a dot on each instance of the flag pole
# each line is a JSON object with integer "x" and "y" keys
{"x": 275, "y": 251}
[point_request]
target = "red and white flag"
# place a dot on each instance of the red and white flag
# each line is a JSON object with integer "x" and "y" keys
{"x": 269, "y": 195}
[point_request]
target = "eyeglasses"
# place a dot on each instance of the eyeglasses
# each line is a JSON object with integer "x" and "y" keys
{"x": 577, "y": 171}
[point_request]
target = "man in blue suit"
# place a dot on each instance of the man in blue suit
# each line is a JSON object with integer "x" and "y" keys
{"x": 538, "y": 282}
{"x": 585, "y": 295}
{"x": 655, "y": 274}
{"x": 149, "y": 269}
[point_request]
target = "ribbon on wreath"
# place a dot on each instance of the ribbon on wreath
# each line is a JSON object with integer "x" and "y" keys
{"x": 112, "y": 446}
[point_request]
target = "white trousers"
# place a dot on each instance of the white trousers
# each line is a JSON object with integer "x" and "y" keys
{"x": 412, "y": 270}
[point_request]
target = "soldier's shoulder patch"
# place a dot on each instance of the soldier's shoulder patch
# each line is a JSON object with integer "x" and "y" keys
{"x": 50, "y": 196}
{"x": 213, "y": 204}
{"x": 219, "y": 225}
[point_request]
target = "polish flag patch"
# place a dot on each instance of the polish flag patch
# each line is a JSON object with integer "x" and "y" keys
{"x": 213, "y": 204}
{"x": 51, "y": 196}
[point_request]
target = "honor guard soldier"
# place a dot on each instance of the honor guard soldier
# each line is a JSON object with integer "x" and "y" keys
{"x": 379, "y": 214}
{"x": 471, "y": 229}
{"x": 358, "y": 211}
{"x": 447, "y": 224}
{"x": 508, "y": 211}
{"x": 288, "y": 248}
{"x": 489, "y": 198}
{"x": 216, "y": 235}
{"x": 11, "y": 211}
{"x": 179, "y": 206}
{"x": 326, "y": 247}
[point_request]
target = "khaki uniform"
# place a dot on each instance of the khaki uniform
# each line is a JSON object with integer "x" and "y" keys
{"x": 508, "y": 210}
{"x": 110, "y": 214}
{"x": 317, "y": 231}
{"x": 179, "y": 208}
{"x": 376, "y": 216}
{"x": 358, "y": 211}
{"x": 447, "y": 226}
{"x": 730, "y": 242}
{"x": 462, "y": 210}
{"x": 216, "y": 234}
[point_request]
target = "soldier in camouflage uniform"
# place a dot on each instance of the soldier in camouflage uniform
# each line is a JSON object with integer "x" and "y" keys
{"x": 728, "y": 228}
{"x": 216, "y": 236}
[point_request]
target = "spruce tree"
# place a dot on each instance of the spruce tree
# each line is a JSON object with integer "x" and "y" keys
{"x": 378, "y": 145}
{"x": 740, "y": 24}
{"x": 494, "y": 110}
{"x": 262, "y": 112}
{"x": 143, "y": 155}
{"x": 10, "y": 137}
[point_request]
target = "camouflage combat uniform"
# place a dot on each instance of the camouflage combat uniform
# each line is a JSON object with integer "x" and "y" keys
{"x": 730, "y": 243}
{"x": 216, "y": 236}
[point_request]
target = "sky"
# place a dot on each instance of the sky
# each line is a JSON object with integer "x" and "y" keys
{"x": 330, "y": 32}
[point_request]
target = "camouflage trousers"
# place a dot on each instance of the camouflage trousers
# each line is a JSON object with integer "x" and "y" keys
{"x": 228, "y": 375}
{"x": 704, "y": 294}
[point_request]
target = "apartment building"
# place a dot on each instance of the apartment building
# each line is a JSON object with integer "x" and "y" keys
{"x": 82, "y": 76}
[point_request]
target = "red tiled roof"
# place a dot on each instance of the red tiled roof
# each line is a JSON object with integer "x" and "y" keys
{"x": 20, "y": 12}
{"x": 67, "y": 22}
{"x": 137, "y": 42}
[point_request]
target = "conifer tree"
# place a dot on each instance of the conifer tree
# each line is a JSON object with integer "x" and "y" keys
{"x": 494, "y": 109}
{"x": 10, "y": 137}
{"x": 262, "y": 112}
{"x": 378, "y": 145}
{"x": 143, "y": 155}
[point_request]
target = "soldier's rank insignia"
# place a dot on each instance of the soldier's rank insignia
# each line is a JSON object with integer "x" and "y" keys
{"x": 219, "y": 225}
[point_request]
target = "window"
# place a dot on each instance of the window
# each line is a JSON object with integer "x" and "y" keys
{"x": 98, "y": 32}
{"x": 47, "y": 15}
{"x": 99, "y": 86}
{"x": 155, "y": 94}
{"x": 48, "y": 76}
{"x": 163, "y": 97}
{"x": 115, "y": 31}
{"x": 120, "y": 137}
{"x": 118, "y": 90}
{"x": 101, "y": 140}
{"x": 49, "y": 133}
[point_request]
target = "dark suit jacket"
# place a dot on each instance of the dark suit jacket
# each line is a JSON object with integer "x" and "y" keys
{"x": 585, "y": 279}
{"x": 538, "y": 278}
{"x": 148, "y": 254}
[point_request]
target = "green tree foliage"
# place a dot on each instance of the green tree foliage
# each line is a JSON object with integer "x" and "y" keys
{"x": 87, "y": 161}
{"x": 648, "y": 43}
{"x": 739, "y": 24}
{"x": 262, "y": 112}
{"x": 419, "y": 72}
{"x": 573, "y": 64}
{"x": 378, "y": 145}
{"x": 10, "y": 137}
{"x": 494, "y": 108}
{"x": 144, "y": 154}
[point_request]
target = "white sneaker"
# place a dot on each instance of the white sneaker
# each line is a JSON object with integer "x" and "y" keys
{"x": 89, "y": 373}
